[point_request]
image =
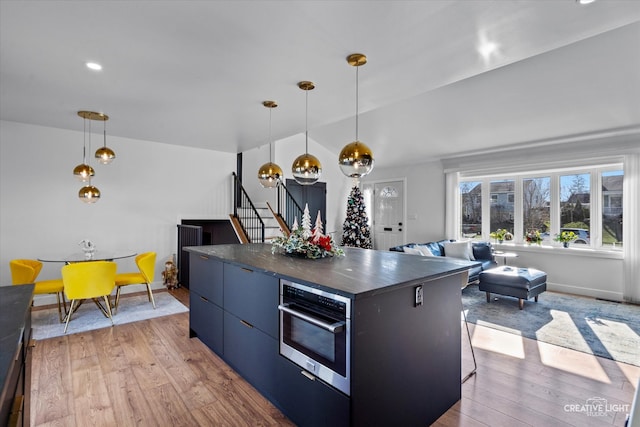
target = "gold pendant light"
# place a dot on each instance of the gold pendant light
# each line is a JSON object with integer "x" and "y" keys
{"x": 84, "y": 172}
{"x": 104, "y": 154}
{"x": 306, "y": 168}
{"x": 89, "y": 194}
{"x": 356, "y": 159}
{"x": 270, "y": 173}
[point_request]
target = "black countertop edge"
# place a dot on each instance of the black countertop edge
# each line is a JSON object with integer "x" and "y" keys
{"x": 360, "y": 273}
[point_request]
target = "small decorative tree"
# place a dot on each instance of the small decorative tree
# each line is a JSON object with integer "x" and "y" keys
{"x": 317, "y": 229}
{"x": 306, "y": 222}
{"x": 355, "y": 230}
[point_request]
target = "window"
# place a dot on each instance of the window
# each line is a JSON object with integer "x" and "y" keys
{"x": 471, "y": 208}
{"x": 501, "y": 209}
{"x": 536, "y": 204}
{"x": 587, "y": 201}
{"x": 612, "y": 208}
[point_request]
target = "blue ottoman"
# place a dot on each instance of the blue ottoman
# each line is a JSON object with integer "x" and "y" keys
{"x": 521, "y": 283}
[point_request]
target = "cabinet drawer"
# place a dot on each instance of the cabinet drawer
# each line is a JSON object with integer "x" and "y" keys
{"x": 252, "y": 296}
{"x": 206, "y": 277}
{"x": 206, "y": 321}
{"x": 252, "y": 353}
{"x": 309, "y": 402}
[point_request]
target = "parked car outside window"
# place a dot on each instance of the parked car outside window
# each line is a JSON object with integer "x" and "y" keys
{"x": 582, "y": 233}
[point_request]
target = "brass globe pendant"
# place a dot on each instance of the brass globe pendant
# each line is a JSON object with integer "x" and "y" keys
{"x": 83, "y": 172}
{"x": 105, "y": 155}
{"x": 89, "y": 194}
{"x": 270, "y": 173}
{"x": 356, "y": 159}
{"x": 306, "y": 168}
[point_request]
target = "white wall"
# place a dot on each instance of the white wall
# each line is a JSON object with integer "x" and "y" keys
{"x": 144, "y": 192}
{"x": 425, "y": 195}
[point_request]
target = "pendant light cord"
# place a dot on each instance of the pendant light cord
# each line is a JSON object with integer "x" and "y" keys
{"x": 306, "y": 123}
{"x": 84, "y": 143}
{"x": 357, "y": 103}
{"x": 270, "y": 135}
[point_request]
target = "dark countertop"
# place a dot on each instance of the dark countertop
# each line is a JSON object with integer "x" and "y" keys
{"x": 361, "y": 272}
{"x": 14, "y": 304}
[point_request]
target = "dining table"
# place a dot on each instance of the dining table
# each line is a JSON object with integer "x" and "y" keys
{"x": 97, "y": 255}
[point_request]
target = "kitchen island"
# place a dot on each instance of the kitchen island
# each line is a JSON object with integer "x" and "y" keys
{"x": 405, "y": 355}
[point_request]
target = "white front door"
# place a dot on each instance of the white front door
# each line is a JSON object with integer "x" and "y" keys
{"x": 388, "y": 213}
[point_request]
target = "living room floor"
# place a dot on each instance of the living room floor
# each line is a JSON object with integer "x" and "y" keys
{"x": 151, "y": 373}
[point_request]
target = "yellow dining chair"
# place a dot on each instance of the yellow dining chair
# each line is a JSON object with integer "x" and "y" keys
{"x": 25, "y": 271}
{"x": 93, "y": 279}
{"x": 146, "y": 263}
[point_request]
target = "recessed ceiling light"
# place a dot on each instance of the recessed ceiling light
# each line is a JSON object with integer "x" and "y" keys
{"x": 486, "y": 49}
{"x": 585, "y": 1}
{"x": 94, "y": 66}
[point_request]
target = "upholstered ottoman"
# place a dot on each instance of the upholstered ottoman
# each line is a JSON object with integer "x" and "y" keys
{"x": 521, "y": 283}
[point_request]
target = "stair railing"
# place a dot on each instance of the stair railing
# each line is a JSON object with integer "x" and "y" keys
{"x": 246, "y": 213}
{"x": 287, "y": 204}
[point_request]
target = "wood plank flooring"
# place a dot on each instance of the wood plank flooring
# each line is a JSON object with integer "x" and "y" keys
{"x": 150, "y": 373}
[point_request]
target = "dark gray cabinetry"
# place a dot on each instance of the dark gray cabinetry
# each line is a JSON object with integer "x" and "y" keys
{"x": 206, "y": 299}
{"x": 309, "y": 402}
{"x": 252, "y": 297}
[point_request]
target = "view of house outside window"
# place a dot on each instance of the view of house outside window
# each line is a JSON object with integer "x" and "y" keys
{"x": 575, "y": 206}
{"x": 471, "y": 208}
{"x": 572, "y": 200}
{"x": 502, "y": 205}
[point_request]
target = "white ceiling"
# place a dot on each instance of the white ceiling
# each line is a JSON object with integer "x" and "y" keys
{"x": 195, "y": 73}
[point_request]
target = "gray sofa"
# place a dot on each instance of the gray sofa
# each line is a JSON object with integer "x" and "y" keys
{"x": 482, "y": 252}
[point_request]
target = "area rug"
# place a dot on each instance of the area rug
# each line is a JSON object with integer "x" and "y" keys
{"x": 46, "y": 323}
{"x": 602, "y": 328}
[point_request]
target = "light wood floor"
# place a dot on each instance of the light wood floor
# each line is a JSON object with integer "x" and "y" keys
{"x": 150, "y": 373}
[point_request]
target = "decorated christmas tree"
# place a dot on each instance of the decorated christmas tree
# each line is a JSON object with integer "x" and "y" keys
{"x": 355, "y": 230}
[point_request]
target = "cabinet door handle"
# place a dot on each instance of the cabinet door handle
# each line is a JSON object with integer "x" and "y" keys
{"x": 204, "y": 299}
{"x": 246, "y": 270}
{"x": 247, "y": 324}
{"x": 204, "y": 257}
{"x": 308, "y": 375}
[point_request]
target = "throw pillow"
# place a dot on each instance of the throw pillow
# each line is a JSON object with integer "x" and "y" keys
{"x": 460, "y": 250}
{"x": 424, "y": 249}
{"x": 412, "y": 251}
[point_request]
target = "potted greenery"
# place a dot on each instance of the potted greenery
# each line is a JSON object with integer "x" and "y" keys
{"x": 566, "y": 237}
{"x": 500, "y": 234}
{"x": 533, "y": 237}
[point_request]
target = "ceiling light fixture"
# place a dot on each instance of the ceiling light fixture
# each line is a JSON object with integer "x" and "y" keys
{"x": 582, "y": 2}
{"x": 306, "y": 168}
{"x": 356, "y": 159}
{"x": 270, "y": 173}
{"x": 104, "y": 154}
{"x": 84, "y": 172}
{"x": 94, "y": 66}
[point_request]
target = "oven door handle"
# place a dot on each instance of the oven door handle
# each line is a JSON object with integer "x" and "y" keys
{"x": 334, "y": 328}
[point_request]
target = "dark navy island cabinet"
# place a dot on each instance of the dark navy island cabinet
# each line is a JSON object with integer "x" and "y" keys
{"x": 405, "y": 357}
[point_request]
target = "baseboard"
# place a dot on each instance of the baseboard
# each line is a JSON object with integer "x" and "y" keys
{"x": 587, "y": 292}
{"x": 50, "y": 299}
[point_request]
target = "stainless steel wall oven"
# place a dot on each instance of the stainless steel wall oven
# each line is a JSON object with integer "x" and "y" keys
{"x": 315, "y": 332}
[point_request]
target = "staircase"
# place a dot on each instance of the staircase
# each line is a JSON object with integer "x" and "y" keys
{"x": 253, "y": 223}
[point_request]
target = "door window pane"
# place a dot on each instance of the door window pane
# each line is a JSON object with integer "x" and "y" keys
{"x": 612, "y": 208}
{"x": 471, "y": 208}
{"x": 502, "y": 207}
{"x": 536, "y": 206}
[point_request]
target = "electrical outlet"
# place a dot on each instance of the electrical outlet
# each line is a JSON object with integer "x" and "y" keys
{"x": 418, "y": 294}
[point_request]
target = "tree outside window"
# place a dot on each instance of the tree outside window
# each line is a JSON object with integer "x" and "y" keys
{"x": 536, "y": 205}
{"x": 612, "y": 208}
{"x": 471, "y": 209}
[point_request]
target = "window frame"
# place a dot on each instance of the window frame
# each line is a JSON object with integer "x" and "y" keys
{"x": 595, "y": 210}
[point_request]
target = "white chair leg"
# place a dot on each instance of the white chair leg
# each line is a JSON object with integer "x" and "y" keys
{"x": 71, "y": 307}
{"x": 151, "y": 295}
